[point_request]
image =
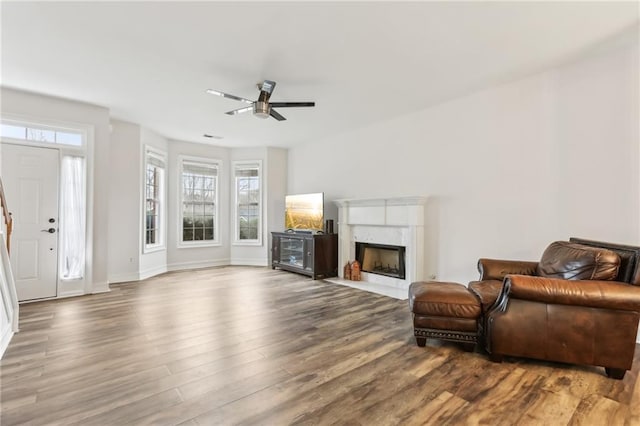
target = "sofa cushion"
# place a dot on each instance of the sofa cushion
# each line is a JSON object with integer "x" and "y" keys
{"x": 571, "y": 261}
{"x": 443, "y": 299}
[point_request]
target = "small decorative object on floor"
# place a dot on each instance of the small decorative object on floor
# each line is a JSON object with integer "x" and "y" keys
{"x": 355, "y": 271}
{"x": 346, "y": 273}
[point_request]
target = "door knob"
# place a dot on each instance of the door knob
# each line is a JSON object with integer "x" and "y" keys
{"x": 50, "y": 230}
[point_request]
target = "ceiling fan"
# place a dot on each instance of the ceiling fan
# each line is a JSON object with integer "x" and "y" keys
{"x": 262, "y": 107}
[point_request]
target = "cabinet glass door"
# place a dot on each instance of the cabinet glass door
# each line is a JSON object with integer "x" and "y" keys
{"x": 292, "y": 251}
{"x": 308, "y": 264}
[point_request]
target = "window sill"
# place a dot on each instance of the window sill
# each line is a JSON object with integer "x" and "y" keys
{"x": 254, "y": 243}
{"x": 199, "y": 245}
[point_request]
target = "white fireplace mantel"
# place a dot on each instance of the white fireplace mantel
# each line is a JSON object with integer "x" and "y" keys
{"x": 394, "y": 221}
{"x": 402, "y": 211}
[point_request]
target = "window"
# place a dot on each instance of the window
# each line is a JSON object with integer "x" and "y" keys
{"x": 72, "y": 217}
{"x": 248, "y": 203}
{"x": 41, "y": 134}
{"x": 154, "y": 200}
{"x": 199, "y": 224}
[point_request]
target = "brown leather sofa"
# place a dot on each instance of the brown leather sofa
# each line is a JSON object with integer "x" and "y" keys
{"x": 579, "y": 304}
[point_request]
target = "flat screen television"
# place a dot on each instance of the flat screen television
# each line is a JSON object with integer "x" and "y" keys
{"x": 304, "y": 212}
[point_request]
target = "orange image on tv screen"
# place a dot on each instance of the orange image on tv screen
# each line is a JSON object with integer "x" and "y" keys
{"x": 304, "y": 211}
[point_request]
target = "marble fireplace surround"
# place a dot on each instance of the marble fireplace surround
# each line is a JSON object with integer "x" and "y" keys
{"x": 394, "y": 221}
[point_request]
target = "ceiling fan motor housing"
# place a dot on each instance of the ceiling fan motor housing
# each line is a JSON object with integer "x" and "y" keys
{"x": 261, "y": 109}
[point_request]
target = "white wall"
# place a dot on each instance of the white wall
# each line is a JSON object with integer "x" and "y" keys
{"x": 124, "y": 202}
{"x": 508, "y": 169}
{"x": 276, "y": 188}
{"x": 41, "y": 108}
{"x": 198, "y": 257}
{"x": 597, "y": 133}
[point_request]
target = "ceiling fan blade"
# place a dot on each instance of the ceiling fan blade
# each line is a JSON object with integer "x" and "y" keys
{"x": 276, "y": 115}
{"x": 239, "y": 110}
{"x": 291, "y": 104}
{"x": 226, "y": 95}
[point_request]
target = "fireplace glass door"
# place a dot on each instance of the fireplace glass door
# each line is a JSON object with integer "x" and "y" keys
{"x": 381, "y": 259}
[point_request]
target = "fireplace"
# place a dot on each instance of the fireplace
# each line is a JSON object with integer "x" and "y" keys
{"x": 384, "y": 223}
{"x": 381, "y": 259}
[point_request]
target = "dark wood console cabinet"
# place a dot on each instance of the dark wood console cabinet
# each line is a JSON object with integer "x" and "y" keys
{"x": 315, "y": 255}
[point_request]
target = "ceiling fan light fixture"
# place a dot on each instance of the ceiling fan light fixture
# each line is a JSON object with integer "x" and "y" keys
{"x": 261, "y": 109}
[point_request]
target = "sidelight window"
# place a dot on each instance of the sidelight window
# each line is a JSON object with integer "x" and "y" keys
{"x": 72, "y": 217}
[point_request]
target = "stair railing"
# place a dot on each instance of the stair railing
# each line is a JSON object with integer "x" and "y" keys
{"x": 8, "y": 220}
{"x": 8, "y": 293}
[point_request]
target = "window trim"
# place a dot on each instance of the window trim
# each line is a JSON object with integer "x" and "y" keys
{"x": 150, "y": 151}
{"x": 216, "y": 242}
{"x": 248, "y": 164}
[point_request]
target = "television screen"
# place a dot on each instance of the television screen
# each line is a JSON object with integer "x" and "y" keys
{"x": 304, "y": 211}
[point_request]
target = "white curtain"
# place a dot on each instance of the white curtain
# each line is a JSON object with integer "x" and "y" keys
{"x": 72, "y": 218}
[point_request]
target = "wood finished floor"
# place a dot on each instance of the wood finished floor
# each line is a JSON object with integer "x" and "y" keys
{"x": 242, "y": 345}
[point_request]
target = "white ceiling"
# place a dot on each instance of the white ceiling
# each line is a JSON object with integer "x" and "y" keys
{"x": 361, "y": 62}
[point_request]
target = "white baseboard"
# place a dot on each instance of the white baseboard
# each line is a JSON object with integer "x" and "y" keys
{"x": 258, "y": 261}
{"x": 101, "y": 288}
{"x": 7, "y": 334}
{"x": 181, "y": 266}
{"x": 152, "y": 272}
{"x": 197, "y": 264}
{"x": 123, "y": 278}
{"x": 74, "y": 293}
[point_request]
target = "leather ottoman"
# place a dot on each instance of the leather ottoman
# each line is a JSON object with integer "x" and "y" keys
{"x": 446, "y": 311}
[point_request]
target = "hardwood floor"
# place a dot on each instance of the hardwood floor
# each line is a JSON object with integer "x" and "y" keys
{"x": 242, "y": 345}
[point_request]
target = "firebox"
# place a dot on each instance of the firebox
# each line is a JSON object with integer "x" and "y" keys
{"x": 381, "y": 259}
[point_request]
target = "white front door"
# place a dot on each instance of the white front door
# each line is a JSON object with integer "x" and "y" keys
{"x": 30, "y": 179}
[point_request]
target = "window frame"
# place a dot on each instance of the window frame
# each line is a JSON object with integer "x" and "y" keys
{"x": 161, "y": 240}
{"x": 207, "y": 162}
{"x": 53, "y": 128}
{"x": 243, "y": 165}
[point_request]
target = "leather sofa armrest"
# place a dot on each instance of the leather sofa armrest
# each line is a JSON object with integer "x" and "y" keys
{"x": 586, "y": 293}
{"x": 496, "y": 269}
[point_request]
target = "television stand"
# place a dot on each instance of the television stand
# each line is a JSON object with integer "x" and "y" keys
{"x": 315, "y": 255}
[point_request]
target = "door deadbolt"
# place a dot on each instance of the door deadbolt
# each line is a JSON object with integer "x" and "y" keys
{"x": 50, "y": 230}
{"x": 52, "y": 220}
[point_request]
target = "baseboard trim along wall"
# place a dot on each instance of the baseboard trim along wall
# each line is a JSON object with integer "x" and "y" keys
{"x": 197, "y": 264}
{"x": 152, "y": 272}
{"x": 258, "y": 261}
{"x": 7, "y": 334}
{"x": 123, "y": 278}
